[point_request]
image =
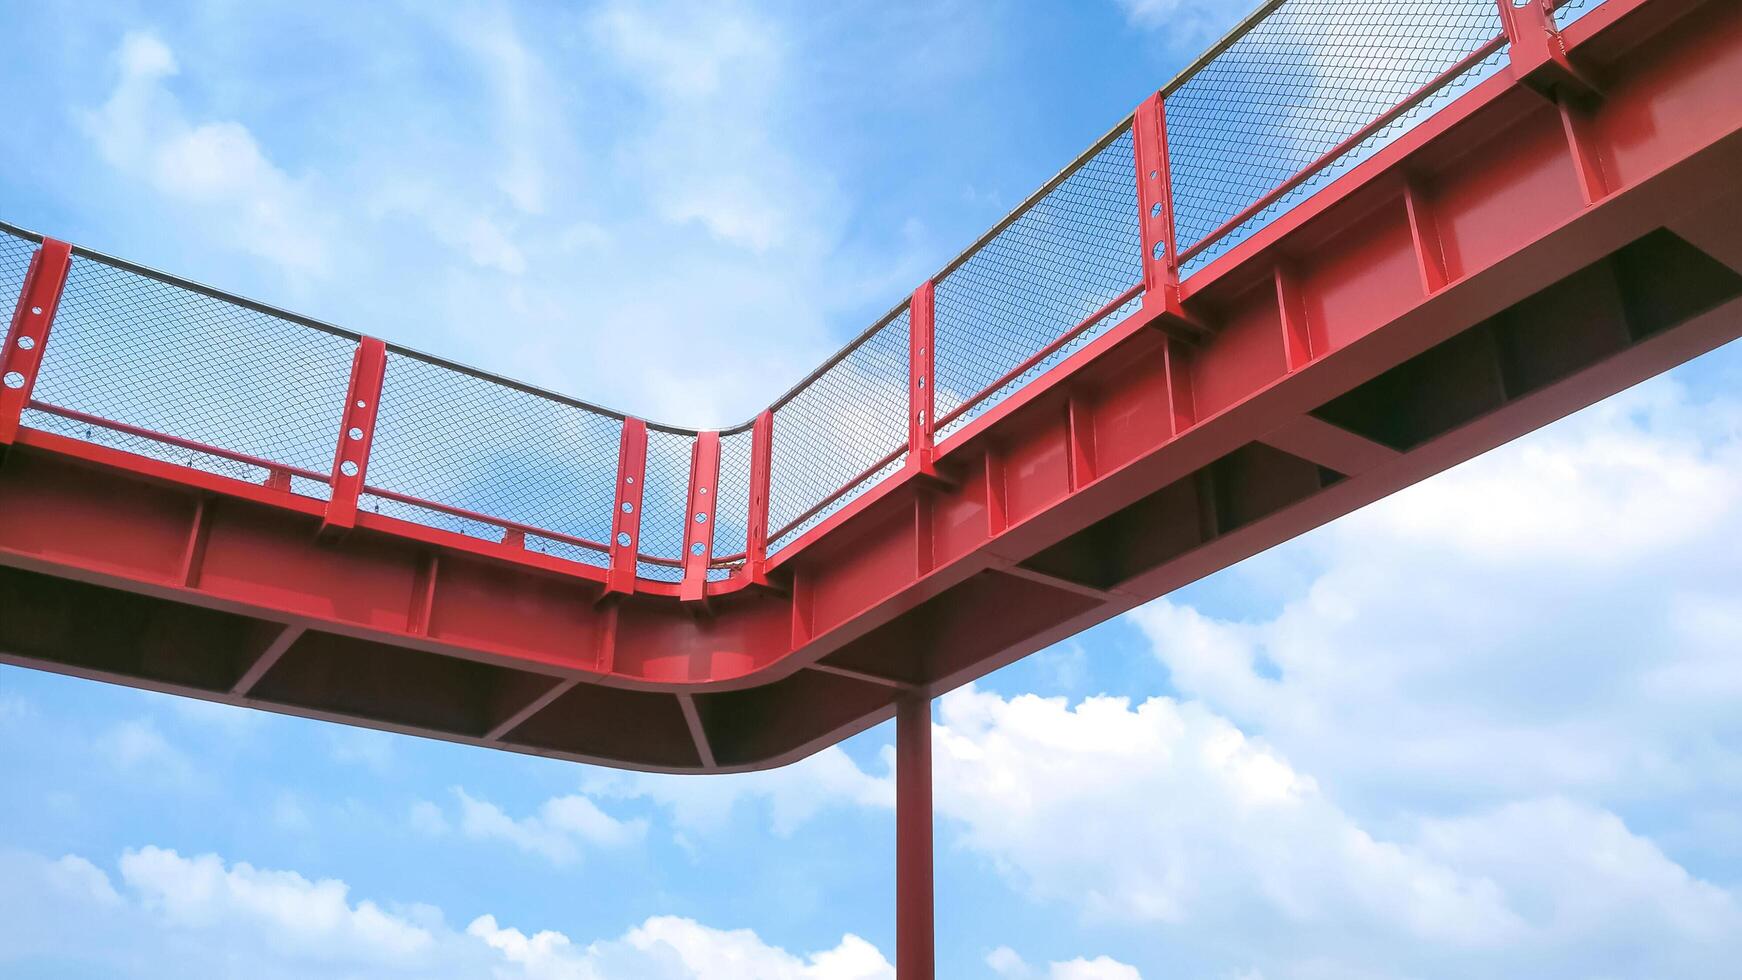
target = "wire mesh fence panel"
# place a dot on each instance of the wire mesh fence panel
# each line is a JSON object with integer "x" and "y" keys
{"x": 732, "y": 506}
{"x": 1302, "y": 81}
{"x": 476, "y": 444}
{"x": 830, "y": 438}
{"x": 15, "y": 251}
{"x": 1066, "y": 256}
{"x": 1568, "y": 11}
{"x": 1016, "y": 383}
{"x": 135, "y": 350}
{"x": 665, "y": 490}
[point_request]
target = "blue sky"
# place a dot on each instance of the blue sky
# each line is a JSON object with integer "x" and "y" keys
{"x": 1486, "y": 727}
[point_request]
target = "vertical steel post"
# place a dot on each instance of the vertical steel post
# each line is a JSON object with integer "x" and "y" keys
{"x": 1536, "y": 52}
{"x": 915, "y": 939}
{"x": 699, "y": 520}
{"x": 1155, "y": 211}
{"x": 21, "y": 358}
{"x": 756, "y": 534}
{"x": 356, "y": 434}
{"x": 626, "y": 510}
{"x": 921, "y": 385}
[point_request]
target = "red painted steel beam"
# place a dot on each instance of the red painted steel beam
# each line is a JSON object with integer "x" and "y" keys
{"x": 626, "y": 511}
{"x": 356, "y": 434}
{"x": 756, "y": 532}
{"x": 915, "y": 938}
{"x": 698, "y": 545}
{"x": 32, "y": 319}
{"x": 1461, "y": 286}
{"x": 921, "y": 381}
{"x": 1161, "y": 295}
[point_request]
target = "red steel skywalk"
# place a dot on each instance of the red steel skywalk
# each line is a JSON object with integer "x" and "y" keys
{"x": 1352, "y": 246}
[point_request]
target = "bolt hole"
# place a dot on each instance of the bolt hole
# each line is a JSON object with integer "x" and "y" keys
{"x": 14, "y": 379}
{"x": 362, "y": 404}
{"x": 1154, "y": 174}
{"x": 623, "y": 539}
{"x": 701, "y": 518}
{"x": 27, "y": 343}
{"x": 1155, "y": 210}
{"x": 348, "y": 468}
{"x": 355, "y": 434}
{"x": 704, "y": 491}
{"x": 36, "y": 311}
{"x": 629, "y": 479}
{"x": 628, "y": 508}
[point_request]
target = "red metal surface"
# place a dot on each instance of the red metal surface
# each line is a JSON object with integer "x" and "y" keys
{"x": 626, "y": 514}
{"x": 1155, "y": 209}
{"x": 756, "y": 542}
{"x": 921, "y": 386}
{"x": 1506, "y": 261}
{"x": 915, "y": 942}
{"x": 21, "y": 357}
{"x": 698, "y": 545}
{"x": 356, "y": 433}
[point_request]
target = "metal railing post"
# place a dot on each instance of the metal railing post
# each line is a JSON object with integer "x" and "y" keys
{"x": 626, "y": 511}
{"x": 1161, "y": 295}
{"x": 356, "y": 434}
{"x": 21, "y": 358}
{"x": 756, "y": 531}
{"x": 1537, "y": 53}
{"x": 921, "y": 384}
{"x": 699, "y": 520}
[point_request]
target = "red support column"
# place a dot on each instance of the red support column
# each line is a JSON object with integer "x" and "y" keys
{"x": 698, "y": 543}
{"x": 921, "y": 385}
{"x": 756, "y": 537}
{"x": 21, "y": 358}
{"x": 915, "y": 939}
{"x": 356, "y": 434}
{"x": 626, "y": 512}
{"x": 1155, "y": 211}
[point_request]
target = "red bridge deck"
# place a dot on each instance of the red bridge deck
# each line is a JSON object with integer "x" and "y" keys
{"x": 1224, "y": 325}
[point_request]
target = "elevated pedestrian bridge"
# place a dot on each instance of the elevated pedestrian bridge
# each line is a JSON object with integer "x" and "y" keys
{"x": 1352, "y": 246}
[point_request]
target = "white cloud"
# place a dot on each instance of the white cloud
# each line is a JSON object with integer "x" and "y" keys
{"x": 201, "y": 916}
{"x": 217, "y": 166}
{"x": 1005, "y": 962}
{"x": 793, "y": 794}
{"x": 1099, "y": 968}
{"x": 141, "y": 751}
{"x": 1186, "y": 24}
{"x": 1165, "y": 816}
{"x": 293, "y": 915}
{"x": 557, "y": 832}
{"x": 1567, "y": 603}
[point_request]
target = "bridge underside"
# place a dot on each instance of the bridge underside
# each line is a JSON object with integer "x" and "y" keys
{"x": 1510, "y": 260}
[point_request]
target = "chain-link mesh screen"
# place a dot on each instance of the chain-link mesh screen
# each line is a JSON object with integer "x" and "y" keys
{"x": 1068, "y": 255}
{"x": 1571, "y": 10}
{"x": 15, "y": 251}
{"x": 452, "y": 438}
{"x": 836, "y": 429}
{"x": 665, "y": 492}
{"x": 1303, "y": 80}
{"x": 133, "y": 349}
{"x": 732, "y": 505}
{"x": 1077, "y": 342}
